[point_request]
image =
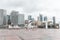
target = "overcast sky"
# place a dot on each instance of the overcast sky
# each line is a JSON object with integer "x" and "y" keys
{"x": 33, "y": 7}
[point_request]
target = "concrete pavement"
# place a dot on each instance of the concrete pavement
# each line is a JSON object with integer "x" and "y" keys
{"x": 29, "y": 34}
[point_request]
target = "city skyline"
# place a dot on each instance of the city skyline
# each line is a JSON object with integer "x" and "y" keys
{"x": 29, "y": 19}
{"x": 16, "y": 19}
{"x": 46, "y": 7}
{"x": 33, "y": 16}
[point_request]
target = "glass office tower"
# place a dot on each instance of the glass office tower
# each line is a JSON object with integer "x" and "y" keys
{"x": 29, "y": 17}
{"x": 14, "y": 17}
{"x": 2, "y": 16}
{"x": 41, "y": 17}
{"x": 21, "y": 20}
{"x": 45, "y": 18}
{"x": 54, "y": 20}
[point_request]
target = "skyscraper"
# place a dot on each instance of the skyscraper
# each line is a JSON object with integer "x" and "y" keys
{"x": 41, "y": 17}
{"x": 38, "y": 18}
{"x": 29, "y": 17}
{"x": 54, "y": 20}
{"x": 32, "y": 19}
{"x": 46, "y": 23}
{"x": 14, "y": 17}
{"x": 8, "y": 19}
{"x": 2, "y": 16}
{"x": 21, "y": 20}
{"x": 45, "y": 18}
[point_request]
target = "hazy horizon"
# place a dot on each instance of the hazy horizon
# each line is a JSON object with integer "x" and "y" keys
{"x": 48, "y": 8}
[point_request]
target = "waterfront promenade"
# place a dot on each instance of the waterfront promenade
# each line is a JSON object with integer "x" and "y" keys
{"x": 30, "y": 34}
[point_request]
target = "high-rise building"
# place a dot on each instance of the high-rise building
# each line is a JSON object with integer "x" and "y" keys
{"x": 8, "y": 19}
{"x": 4, "y": 20}
{"x": 21, "y": 20}
{"x": 54, "y": 20}
{"x": 29, "y": 17}
{"x": 2, "y": 16}
{"x": 32, "y": 19}
{"x": 45, "y": 18}
{"x": 41, "y": 18}
{"x": 14, "y": 17}
{"x": 38, "y": 18}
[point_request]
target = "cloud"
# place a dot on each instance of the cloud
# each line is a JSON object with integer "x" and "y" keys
{"x": 29, "y": 6}
{"x": 45, "y": 7}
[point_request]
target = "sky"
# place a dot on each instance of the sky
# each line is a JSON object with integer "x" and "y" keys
{"x": 48, "y": 8}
